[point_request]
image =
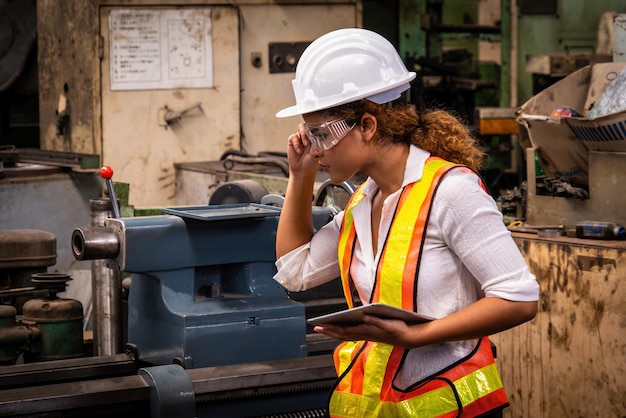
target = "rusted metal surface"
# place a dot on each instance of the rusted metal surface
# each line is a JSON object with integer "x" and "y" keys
{"x": 60, "y": 324}
{"x": 141, "y": 132}
{"x": 67, "y": 60}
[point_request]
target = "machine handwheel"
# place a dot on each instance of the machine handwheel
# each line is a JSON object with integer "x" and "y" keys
{"x": 333, "y": 195}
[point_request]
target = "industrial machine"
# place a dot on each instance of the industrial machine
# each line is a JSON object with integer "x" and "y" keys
{"x": 210, "y": 333}
{"x": 202, "y": 292}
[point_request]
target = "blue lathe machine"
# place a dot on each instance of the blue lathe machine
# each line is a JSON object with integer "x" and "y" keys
{"x": 202, "y": 289}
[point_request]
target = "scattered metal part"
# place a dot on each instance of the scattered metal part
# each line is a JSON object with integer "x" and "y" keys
{"x": 561, "y": 188}
{"x": 551, "y": 232}
{"x": 509, "y": 201}
{"x": 548, "y": 230}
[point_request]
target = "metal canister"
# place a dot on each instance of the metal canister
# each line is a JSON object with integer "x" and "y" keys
{"x": 26, "y": 248}
{"x": 10, "y": 337}
{"x": 60, "y": 325}
{"x": 24, "y": 252}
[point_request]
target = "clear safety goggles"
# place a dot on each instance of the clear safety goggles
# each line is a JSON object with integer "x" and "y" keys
{"x": 326, "y": 135}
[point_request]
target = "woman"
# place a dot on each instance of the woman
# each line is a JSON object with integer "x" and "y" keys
{"x": 420, "y": 233}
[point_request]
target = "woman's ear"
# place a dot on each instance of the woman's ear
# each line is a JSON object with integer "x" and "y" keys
{"x": 369, "y": 125}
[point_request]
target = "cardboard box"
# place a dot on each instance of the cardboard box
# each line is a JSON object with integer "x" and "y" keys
{"x": 563, "y": 144}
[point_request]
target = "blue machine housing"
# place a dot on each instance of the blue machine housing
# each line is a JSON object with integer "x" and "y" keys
{"x": 202, "y": 291}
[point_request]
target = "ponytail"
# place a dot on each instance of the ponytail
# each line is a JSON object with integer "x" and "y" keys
{"x": 443, "y": 135}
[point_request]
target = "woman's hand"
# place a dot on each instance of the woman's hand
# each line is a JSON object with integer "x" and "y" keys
{"x": 295, "y": 225}
{"x": 301, "y": 160}
{"x": 390, "y": 331}
{"x": 485, "y": 317}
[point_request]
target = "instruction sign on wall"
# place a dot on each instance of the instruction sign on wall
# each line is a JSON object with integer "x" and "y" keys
{"x": 160, "y": 49}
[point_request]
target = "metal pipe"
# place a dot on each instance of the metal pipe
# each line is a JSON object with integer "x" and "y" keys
{"x": 95, "y": 243}
{"x": 106, "y": 283}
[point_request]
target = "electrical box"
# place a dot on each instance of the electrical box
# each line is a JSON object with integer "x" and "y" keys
{"x": 147, "y": 84}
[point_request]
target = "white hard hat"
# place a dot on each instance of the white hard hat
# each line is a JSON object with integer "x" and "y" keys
{"x": 346, "y": 65}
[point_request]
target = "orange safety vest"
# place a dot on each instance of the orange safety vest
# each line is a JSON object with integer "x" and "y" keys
{"x": 366, "y": 370}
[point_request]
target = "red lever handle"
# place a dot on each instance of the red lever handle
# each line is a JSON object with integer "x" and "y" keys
{"x": 106, "y": 173}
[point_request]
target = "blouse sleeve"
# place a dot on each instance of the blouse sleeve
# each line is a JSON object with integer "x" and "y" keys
{"x": 472, "y": 226}
{"x": 313, "y": 263}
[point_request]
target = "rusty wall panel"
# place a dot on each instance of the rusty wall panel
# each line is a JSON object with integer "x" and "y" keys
{"x": 67, "y": 53}
{"x": 138, "y": 144}
{"x": 570, "y": 360}
{"x": 264, "y": 93}
{"x": 125, "y": 127}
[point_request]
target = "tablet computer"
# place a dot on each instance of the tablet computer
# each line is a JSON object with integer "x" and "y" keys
{"x": 355, "y": 315}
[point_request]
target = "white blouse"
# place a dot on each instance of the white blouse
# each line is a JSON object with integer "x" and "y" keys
{"x": 468, "y": 254}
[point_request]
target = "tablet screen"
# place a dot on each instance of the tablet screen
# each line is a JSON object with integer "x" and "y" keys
{"x": 355, "y": 315}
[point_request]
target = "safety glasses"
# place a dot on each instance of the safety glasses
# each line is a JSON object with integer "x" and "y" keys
{"x": 326, "y": 135}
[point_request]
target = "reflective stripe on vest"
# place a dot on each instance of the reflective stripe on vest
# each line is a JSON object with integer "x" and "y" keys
{"x": 347, "y": 236}
{"x": 367, "y": 369}
{"x": 468, "y": 390}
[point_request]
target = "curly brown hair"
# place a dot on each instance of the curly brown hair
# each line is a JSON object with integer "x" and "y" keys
{"x": 434, "y": 130}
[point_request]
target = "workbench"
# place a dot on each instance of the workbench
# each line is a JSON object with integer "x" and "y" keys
{"x": 570, "y": 360}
